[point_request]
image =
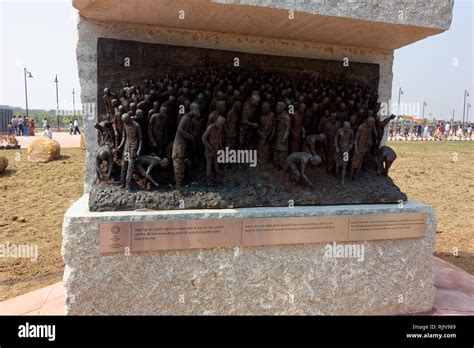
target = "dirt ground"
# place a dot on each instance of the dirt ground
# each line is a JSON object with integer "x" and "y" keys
{"x": 36, "y": 196}
{"x": 34, "y": 200}
{"x": 441, "y": 174}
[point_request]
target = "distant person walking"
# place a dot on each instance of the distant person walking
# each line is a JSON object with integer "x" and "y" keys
{"x": 71, "y": 128}
{"x": 419, "y": 130}
{"x": 47, "y": 132}
{"x": 20, "y": 125}
{"x": 45, "y": 123}
{"x": 406, "y": 130}
{"x": 26, "y": 127}
{"x": 447, "y": 129}
{"x": 460, "y": 132}
{"x": 442, "y": 129}
{"x": 10, "y": 128}
{"x": 14, "y": 122}
{"x": 32, "y": 127}
{"x": 425, "y": 131}
{"x": 455, "y": 129}
{"x": 76, "y": 127}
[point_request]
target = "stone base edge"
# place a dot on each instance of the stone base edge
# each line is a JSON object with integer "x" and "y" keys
{"x": 393, "y": 276}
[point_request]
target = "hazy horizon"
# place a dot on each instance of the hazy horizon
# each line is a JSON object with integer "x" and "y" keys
{"x": 46, "y": 46}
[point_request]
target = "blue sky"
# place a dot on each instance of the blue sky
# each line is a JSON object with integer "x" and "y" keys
{"x": 41, "y": 36}
{"x": 425, "y": 69}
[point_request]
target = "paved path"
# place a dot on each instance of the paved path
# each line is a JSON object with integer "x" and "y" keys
{"x": 454, "y": 296}
{"x": 64, "y": 139}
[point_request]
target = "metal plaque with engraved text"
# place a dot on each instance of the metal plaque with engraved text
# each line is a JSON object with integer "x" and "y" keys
{"x": 236, "y": 232}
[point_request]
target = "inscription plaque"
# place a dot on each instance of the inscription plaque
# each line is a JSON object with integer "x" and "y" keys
{"x": 387, "y": 226}
{"x": 294, "y": 230}
{"x": 236, "y": 232}
{"x": 185, "y": 234}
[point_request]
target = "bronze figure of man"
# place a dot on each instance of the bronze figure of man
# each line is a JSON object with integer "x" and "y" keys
{"x": 183, "y": 136}
{"x": 362, "y": 142}
{"x": 266, "y": 134}
{"x": 118, "y": 125}
{"x": 385, "y": 157}
{"x": 220, "y": 110}
{"x": 343, "y": 143}
{"x": 104, "y": 153}
{"x": 297, "y": 133}
{"x": 108, "y": 97}
{"x": 248, "y": 122}
{"x": 329, "y": 129}
{"x": 232, "y": 124}
{"x": 282, "y": 134}
{"x": 157, "y": 131}
{"x": 146, "y": 164}
{"x": 315, "y": 144}
{"x": 297, "y": 163}
{"x": 212, "y": 140}
{"x": 131, "y": 144}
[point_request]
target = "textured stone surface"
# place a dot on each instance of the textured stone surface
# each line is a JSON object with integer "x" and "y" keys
{"x": 89, "y": 32}
{"x": 395, "y": 277}
{"x": 432, "y": 14}
{"x": 3, "y": 163}
{"x": 387, "y": 24}
{"x": 43, "y": 150}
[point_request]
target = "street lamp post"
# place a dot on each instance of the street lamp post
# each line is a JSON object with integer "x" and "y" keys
{"x": 27, "y": 74}
{"x": 466, "y": 94}
{"x": 467, "y": 112}
{"x": 57, "y": 99}
{"x": 400, "y": 92}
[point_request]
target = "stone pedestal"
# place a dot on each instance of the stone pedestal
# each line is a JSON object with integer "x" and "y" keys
{"x": 394, "y": 276}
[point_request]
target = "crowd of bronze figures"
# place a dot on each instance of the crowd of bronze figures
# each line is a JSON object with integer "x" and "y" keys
{"x": 292, "y": 120}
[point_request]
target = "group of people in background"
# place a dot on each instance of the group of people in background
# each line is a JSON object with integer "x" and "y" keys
{"x": 440, "y": 130}
{"x": 21, "y": 126}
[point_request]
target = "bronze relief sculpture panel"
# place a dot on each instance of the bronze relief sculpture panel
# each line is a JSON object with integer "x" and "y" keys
{"x": 186, "y": 127}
